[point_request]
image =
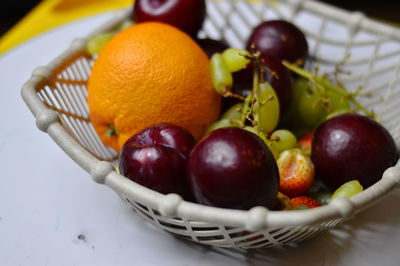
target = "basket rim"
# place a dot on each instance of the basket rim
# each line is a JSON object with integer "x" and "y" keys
{"x": 172, "y": 205}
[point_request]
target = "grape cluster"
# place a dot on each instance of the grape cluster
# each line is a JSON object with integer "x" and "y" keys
{"x": 288, "y": 138}
{"x": 298, "y": 136}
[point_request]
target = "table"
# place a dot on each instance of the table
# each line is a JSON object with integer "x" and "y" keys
{"x": 52, "y": 213}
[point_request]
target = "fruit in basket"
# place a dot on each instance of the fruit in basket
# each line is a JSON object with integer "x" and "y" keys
{"x": 232, "y": 168}
{"x": 211, "y": 46}
{"x": 223, "y": 123}
{"x": 316, "y": 99}
{"x": 235, "y": 59}
{"x": 312, "y": 109}
{"x": 222, "y": 67}
{"x": 220, "y": 75}
{"x": 277, "y": 75}
{"x": 156, "y": 158}
{"x": 234, "y": 112}
{"x": 352, "y": 146}
{"x": 283, "y": 202}
{"x": 266, "y": 108}
{"x": 296, "y": 172}
{"x": 230, "y": 118}
{"x": 304, "y": 201}
{"x": 348, "y": 189}
{"x": 315, "y": 107}
{"x": 280, "y": 39}
{"x": 97, "y": 42}
{"x": 305, "y": 143}
{"x": 147, "y": 74}
{"x": 283, "y": 140}
{"x": 186, "y": 15}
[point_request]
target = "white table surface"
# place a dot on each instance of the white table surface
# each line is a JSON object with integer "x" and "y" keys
{"x": 47, "y": 201}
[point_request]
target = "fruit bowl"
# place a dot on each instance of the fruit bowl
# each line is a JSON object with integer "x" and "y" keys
{"x": 56, "y": 95}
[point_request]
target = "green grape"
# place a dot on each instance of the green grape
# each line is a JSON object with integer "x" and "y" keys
{"x": 124, "y": 25}
{"x": 271, "y": 146}
{"x": 235, "y": 59}
{"x": 283, "y": 202}
{"x": 220, "y": 74}
{"x": 322, "y": 197}
{"x": 338, "y": 97}
{"x": 283, "y": 139}
{"x": 267, "y": 142}
{"x": 300, "y": 87}
{"x": 292, "y": 118}
{"x": 337, "y": 113}
{"x": 95, "y": 44}
{"x": 348, "y": 189}
{"x": 266, "y": 108}
{"x": 251, "y": 129}
{"x": 223, "y": 123}
{"x": 338, "y": 101}
{"x": 312, "y": 109}
{"x": 234, "y": 112}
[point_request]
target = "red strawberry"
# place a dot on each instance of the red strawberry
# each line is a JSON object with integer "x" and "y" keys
{"x": 304, "y": 201}
{"x": 296, "y": 172}
{"x": 305, "y": 143}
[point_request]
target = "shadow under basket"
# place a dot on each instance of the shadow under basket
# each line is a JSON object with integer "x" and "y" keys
{"x": 56, "y": 95}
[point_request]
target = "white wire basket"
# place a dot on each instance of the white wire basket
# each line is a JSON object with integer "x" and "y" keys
{"x": 56, "y": 95}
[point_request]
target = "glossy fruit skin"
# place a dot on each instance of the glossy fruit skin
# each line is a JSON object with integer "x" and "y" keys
{"x": 168, "y": 135}
{"x": 232, "y": 168}
{"x": 156, "y": 158}
{"x": 305, "y": 201}
{"x": 124, "y": 94}
{"x": 220, "y": 75}
{"x": 280, "y": 39}
{"x": 186, "y": 15}
{"x": 211, "y": 46}
{"x": 352, "y": 146}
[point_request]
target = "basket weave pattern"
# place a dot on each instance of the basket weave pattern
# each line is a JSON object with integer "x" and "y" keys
{"x": 56, "y": 94}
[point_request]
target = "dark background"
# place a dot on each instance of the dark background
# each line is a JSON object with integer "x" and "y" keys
{"x": 13, "y": 10}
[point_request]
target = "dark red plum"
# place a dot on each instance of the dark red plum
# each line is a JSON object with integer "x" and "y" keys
{"x": 166, "y": 134}
{"x": 232, "y": 168}
{"x": 211, "y": 46}
{"x": 186, "y": 15}
{"x": 156, "y": 158}
{"x": 279, "y": 39}
{"x": 352, "y": 146}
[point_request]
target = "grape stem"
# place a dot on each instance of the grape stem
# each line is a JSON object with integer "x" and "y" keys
{"x": 247, "y": 108}
{"x": 234, "y": 95}
{"x": 322, "y": 83}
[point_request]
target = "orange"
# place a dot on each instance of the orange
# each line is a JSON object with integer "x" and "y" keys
{"x": 150, "y": 73}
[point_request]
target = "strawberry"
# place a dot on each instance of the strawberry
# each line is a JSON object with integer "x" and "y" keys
{"x": 296, "y": 172}
{"x": 305, "y": 143}
{"x": 304, "y": 201}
